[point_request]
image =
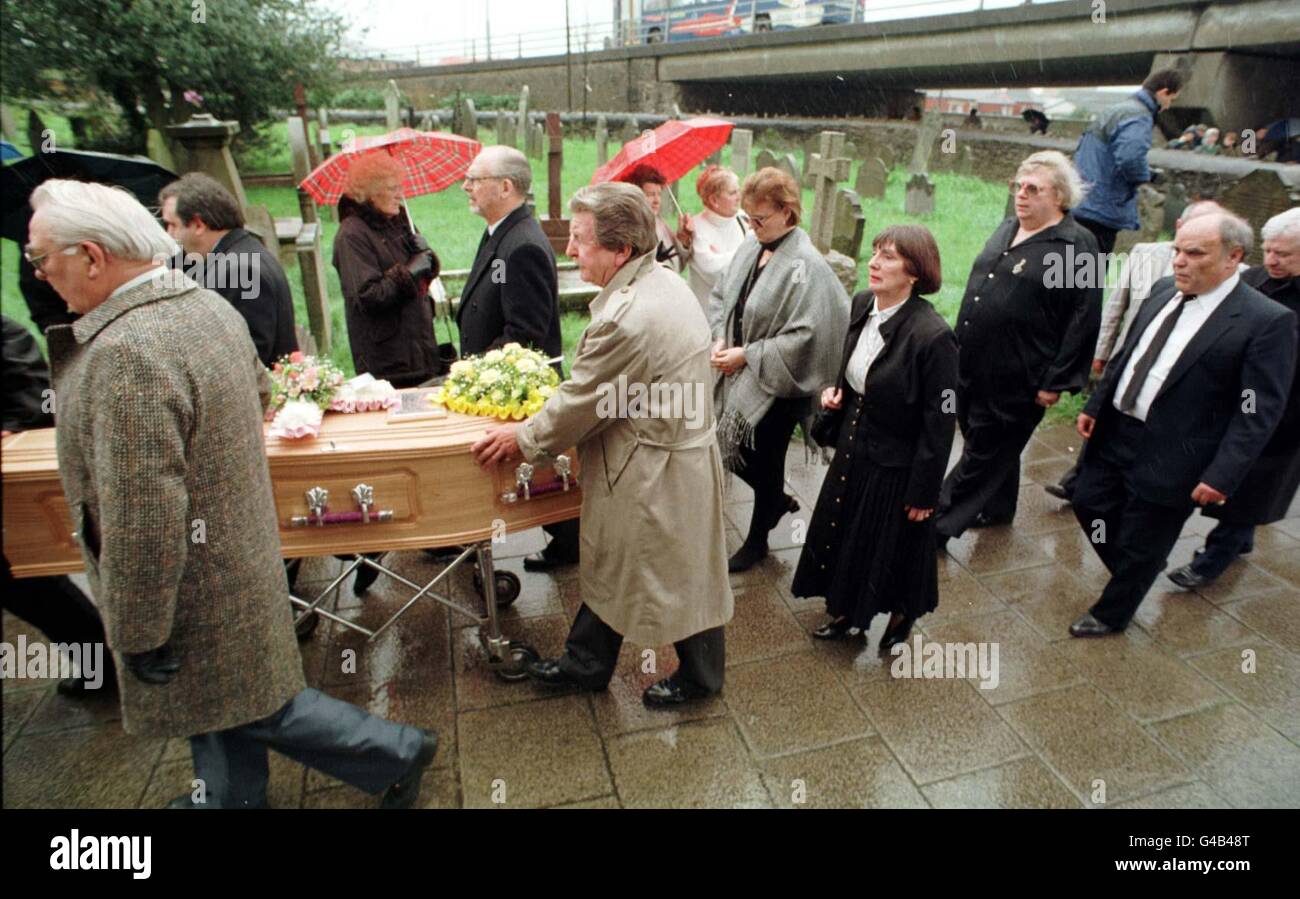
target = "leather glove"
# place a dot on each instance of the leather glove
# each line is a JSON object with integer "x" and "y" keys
{"x": 421, "y": 267}
{"x": 157, "y": 666}
{"x": 417, "y": 243}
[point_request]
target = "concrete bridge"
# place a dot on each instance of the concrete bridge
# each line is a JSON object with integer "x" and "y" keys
{"x": 1240, "y": 54}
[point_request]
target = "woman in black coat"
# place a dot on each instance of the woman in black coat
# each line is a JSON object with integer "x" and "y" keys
{"x": 891, "y": 415}
{"x": 385, "y": 270}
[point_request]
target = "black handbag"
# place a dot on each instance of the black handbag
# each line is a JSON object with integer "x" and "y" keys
{"x": 447, "y": 352}
{"x": 825, "y": 429}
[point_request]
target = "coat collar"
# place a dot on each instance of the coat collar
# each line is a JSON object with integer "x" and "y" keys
{"x": 489, "y": 249}
{"x": 624, "y": 278}
{"x": 165, "y": 284}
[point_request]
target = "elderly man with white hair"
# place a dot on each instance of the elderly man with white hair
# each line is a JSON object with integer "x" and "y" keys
{"x": 1182, "y": 413}
{"x": 162, "y": 462}
{"x": 1267, "y": 493}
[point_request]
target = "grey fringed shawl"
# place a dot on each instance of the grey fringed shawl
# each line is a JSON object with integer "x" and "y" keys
{"x": 792, "y": 331}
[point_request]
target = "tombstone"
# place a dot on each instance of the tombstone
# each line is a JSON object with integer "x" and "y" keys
{"x": 468, "y": 119}
{"x": 786, "y": 163}
{"x": 300, "y": 157}
{"x": 602, "y": 141}
{"x": 966, "y": 160}
{"x": 259, "y": 220}
{"x": 426, "y": 122}
{"x": 765, "y": 159}
{"x": 742, "y": 142}
{"x": 521, "y": 123}
{"x": 8, "y": 129}
{"x": 1151, "y": 218}
{"x": 311, "y": 264}
{"x": 714, "y": 158}
{"x": 919, "y": 196}
{"x": 872, "y": 178}
{"x": 156, "y": 149}
{"x": 435, "y": 122}
{"x": 554, "y": 225}
{"x": 506, "y": 129}
{"x": 324, "y": 148}
{"x": 827, "y": 169}
{"x": 887, "y": 156}
{"x": 807, "y": 179}
{"x": 845, "y": 269}
{"x": 926, "y": 134}
{"x": 1175, "y": 202}
{"x": 848, "y": 225}
{"x": 204, "y": 143}
{"x": 392, "y": 101}
{"x": 850, "y": 149}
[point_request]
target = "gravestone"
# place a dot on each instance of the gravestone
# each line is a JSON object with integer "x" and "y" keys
{"x": 888, "y": 156}
{"x": 602, "y": 141}
{"x": 536, "y": 140}
{"x": 1175, "y": 202}
{"x": 845, "y": 269}
{"x": 765, "y": 159}
{"x": 872, "y": 178}
{"x": 392, "y": 106}
{"x": 259, "y": 220}
{"x": 157, "y": 149}
{"x": 919, "y": 196}
{"x": 926, "y": 134}
{"x": 850, "y": 149}
{"x": 807, "y": 179}
{"x": 521, "y": 123}
{"x": 506, "y": 129}
{"x": 786, "y": 163}
{"x": 1151, "y": 218}
{"x": 204, "y": 145}
{"x": 827, "y": 169}
{"x": 7, "y": 127}
{"x": 555, "y": 226}
{"x": 300, "y": 158}
{"x": 742, "y": 142}
{"x": 849, "y": 224}
{"x": 426, "y": 122}
{"x": 311, "y": 265}
{"x": 324, "y": 149}
{"x": 469, "y": 119}
{"x": 966, "y": 160}
{"x": 714, "y": 158}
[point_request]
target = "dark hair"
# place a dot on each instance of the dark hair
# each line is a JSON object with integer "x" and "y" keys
{"x": 920, "y": 254}
{"x": 643, "y": 175}
{"x": 1171, "y": 80}
{"x": 201, "y": 196}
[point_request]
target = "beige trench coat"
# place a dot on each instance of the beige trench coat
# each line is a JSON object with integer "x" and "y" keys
{"x": 654, "y": 555}
{"x": 159, "y": 433}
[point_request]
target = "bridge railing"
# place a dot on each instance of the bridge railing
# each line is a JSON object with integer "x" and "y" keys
{"x": 663, "y": 21}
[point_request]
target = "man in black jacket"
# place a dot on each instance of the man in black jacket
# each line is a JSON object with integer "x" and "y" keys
{"x": 512, "y": 292}
{"x": 205, "y": 219}
{"x": 1266, "y": 494}
{"x": 1181, "y": 414}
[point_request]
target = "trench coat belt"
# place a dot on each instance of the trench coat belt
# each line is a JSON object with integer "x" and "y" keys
{"x": 702, "y": 439}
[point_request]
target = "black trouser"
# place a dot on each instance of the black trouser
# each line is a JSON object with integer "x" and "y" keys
{"x": 1132, "y": 536}
{"x": 987, "y": 477}
{"x": 763, "y": 467}
{"x": 1222, "y": 546}
{"x": 564, "y": 539}
{"x": 56, "y": 606}
{"x": 1105, "y": 235}
{"x": 591, "y": 652}
{"x": 321, "y": 732}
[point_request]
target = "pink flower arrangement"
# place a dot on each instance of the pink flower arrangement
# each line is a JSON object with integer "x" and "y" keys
{"x": 301, "y": 377}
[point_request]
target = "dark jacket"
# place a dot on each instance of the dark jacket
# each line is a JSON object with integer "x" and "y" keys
{"x": 1199, "y": 427}
{"x": 512, "y": 293}
{"x": 1269, "y": 489}
{"x": 909, "y": 401}
{"x": 1021, "y": 328}
{"x": 26, "y": 380}
{"x": 266, "y": 306}
{"x": 1112, "y": 158}
{"x": 389, "y": 315}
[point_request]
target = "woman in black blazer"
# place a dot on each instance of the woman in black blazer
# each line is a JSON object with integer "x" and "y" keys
{"x": 890, "y": 416}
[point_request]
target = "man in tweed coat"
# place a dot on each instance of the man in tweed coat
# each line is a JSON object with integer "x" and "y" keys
{"x": 163, "y": 466}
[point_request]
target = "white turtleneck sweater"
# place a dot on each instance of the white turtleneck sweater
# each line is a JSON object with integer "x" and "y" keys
{"x": 716, "y": 241}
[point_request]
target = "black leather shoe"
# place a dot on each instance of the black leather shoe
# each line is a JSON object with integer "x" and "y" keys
{"x": 895, "y": 635}
{"x": 1088, "y": 626}
{"x": 406, "y": 791}
{"x": 307, "y": 627}
{"x": 547, "y": 561}
{"x": 836, "y": 630}
{"x": 365, "y": 576}
{"x": 985, "y": 521}
{"x": 1188, "y": 579}
{"x": 78, "y": 688}
{"x": 790, "y": 505}
{"x": 745, "y": 558}
{"x": 1058, "y": 491}
{"x": 668, "y": 693}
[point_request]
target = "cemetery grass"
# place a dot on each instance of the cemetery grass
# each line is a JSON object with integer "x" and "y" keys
{"x": 967, "y": 212}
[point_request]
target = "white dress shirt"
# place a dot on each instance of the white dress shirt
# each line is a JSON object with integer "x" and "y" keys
{"x": 160, "y": 271}
{"x": 1194, "y": 315}
{"x": 870, "y": 345}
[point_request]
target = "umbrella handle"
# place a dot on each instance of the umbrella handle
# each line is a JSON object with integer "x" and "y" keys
{"x": 406, "y": 209}
{"x": 673, "y": 196}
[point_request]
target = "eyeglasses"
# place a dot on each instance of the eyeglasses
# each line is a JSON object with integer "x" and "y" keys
{"x": 758, "y": 220}
{"x": 477, "y": 178}
{"x": 1032, "y": 190}
{"x": 38, "y": 262}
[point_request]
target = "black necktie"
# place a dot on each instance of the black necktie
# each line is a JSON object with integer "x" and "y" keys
{"x": 1144, "y": 365}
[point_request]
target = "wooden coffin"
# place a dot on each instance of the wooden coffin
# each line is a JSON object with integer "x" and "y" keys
{"x": 427, "y": 491}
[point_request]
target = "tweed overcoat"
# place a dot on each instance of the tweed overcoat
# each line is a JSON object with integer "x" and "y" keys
{"x": 158, "y": 419}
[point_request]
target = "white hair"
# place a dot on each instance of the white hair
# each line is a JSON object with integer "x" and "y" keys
{"x": 79, "y": 211}
{"x": 1070, "y": 188}
{"x": 1283, "y": 224}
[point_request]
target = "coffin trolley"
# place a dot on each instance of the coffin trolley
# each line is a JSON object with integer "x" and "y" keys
{"x": 367, "y": 484}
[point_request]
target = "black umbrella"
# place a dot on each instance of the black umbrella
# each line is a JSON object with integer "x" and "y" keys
{"x": 138, "y": 174}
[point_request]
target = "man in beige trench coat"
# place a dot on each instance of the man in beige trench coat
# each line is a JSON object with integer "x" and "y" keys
{"x": 639, "y": 407}
{"x": 159, "y": 435}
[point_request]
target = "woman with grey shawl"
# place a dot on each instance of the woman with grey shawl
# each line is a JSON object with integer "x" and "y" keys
{"x": 778, "y": 316}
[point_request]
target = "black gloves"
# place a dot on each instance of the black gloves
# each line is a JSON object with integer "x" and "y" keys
{"x": 417, "y": 244}
{"x": 157, "y": 666}
{"x": 421, "y": 267}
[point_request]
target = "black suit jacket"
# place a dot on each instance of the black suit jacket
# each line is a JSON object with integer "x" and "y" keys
{"x": 26, "y": 378}
{"x": 910, "y": 396}
{"x": 1220, "y": 404}
{"x": 268, "y": 309}
{"x": 512, "y": 293}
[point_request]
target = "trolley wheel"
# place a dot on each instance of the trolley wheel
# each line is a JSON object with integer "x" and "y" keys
{"x": 508, "y": 587}
{"x": 516, "y": 669}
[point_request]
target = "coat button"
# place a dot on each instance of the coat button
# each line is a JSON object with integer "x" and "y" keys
{"x": 990, "y": 275}
{"x": 977, "y": 299}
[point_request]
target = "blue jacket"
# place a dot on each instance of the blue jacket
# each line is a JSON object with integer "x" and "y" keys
{"x": 1112, "y": 158}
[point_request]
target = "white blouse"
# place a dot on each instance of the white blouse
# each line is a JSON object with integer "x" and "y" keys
{"x": 714, "y": 244}
{"x": 869, "y": 347}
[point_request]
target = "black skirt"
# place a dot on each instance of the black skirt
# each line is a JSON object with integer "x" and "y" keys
{"x": 861, "y": 552}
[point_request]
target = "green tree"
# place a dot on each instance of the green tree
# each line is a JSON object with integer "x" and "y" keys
{"x": 243, "y": 57}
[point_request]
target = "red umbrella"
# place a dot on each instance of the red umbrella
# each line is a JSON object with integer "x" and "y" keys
{"x": 674, "y": 148}
{"x": 433, "y": 160}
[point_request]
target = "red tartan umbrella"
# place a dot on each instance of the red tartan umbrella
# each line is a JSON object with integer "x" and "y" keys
{"x": 433, "y": 160}
{"x": 674, "y": 148}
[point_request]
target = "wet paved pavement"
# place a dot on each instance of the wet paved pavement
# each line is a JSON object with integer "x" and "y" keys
{"x": 1161, "y": 716}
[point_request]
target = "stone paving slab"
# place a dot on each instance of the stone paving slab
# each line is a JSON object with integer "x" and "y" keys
{"x": 1197, "y": 705}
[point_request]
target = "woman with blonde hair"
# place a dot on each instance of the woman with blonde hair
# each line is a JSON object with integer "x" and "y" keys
{"x": 385, "y": 268}
{"x": 716, "y": 233}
